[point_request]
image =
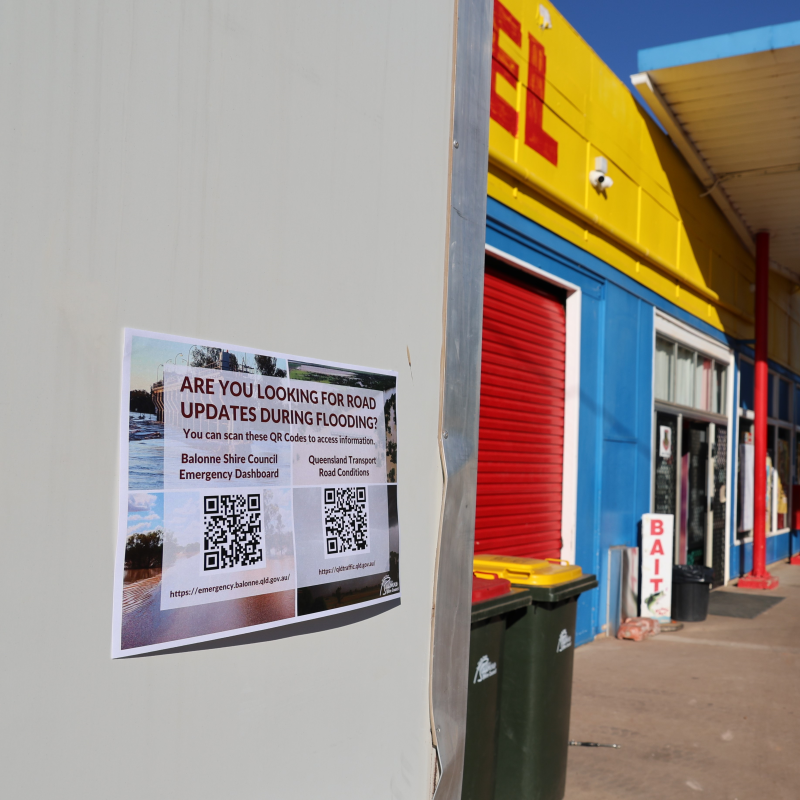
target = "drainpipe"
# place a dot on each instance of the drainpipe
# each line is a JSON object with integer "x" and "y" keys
{"x": 759, "y": 578}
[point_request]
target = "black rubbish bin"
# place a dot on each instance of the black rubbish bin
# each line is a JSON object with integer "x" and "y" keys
{"x": 691, "y": 585}
{"x": 536, "y": 696}
{"x": 494, "y": 605}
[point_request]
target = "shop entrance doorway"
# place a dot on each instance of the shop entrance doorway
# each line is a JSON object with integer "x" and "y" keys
{"x": 690, "y": 482}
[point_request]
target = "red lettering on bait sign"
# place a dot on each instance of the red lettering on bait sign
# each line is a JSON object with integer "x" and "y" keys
{"x": 657, "y": 548}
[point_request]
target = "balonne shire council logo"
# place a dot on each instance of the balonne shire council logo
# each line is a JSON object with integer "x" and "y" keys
{"x": 388, "y": 586}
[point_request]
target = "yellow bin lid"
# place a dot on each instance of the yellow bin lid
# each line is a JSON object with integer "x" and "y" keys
{"x": 526, "y": 571}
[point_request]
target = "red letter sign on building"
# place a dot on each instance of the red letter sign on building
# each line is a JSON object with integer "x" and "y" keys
{"x": 503, "y": 65}
{"x": 535, "y": 137}
{"x": 655, "y": 589}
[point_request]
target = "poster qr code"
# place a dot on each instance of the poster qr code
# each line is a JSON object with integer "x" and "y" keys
{"x": 232, "y": 534}
{"x": 346, "y": 520}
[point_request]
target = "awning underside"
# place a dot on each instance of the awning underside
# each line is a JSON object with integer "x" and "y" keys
{"x": 740, "y": 115}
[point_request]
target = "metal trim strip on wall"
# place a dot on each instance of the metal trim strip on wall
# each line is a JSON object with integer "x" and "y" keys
{"x": 461, "y": 390}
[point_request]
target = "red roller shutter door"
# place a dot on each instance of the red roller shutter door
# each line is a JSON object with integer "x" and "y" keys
{"x": 521, "y": 442}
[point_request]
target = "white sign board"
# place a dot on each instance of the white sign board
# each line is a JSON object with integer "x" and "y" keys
{"x": 257, "y": 489}
{"x": 656, "y": 584}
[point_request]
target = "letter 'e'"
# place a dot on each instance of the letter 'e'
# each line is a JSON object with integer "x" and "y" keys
{"x": 500, "y": 110}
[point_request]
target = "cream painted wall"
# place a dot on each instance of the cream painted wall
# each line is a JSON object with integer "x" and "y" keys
{"x": 273, "y": 175}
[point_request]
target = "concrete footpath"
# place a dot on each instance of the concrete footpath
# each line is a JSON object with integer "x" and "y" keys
{"x": 712, "y": 711}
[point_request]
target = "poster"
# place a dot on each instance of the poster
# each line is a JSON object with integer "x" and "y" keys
{"x": 256, "y": 489}
{"x": 656, "y": 583}
{"x": 664, "y": 441}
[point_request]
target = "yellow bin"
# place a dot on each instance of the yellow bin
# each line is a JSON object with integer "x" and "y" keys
{"x": 527, "y": 571}
{"x": 536, "y": 682}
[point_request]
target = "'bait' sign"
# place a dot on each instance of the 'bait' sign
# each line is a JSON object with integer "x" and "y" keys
{"x": 656, "y": 585}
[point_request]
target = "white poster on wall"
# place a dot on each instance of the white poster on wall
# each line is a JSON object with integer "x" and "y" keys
{"x": 656, "y": 584}
{"x": 665, "y": 441}
{"x": 257, "y": 489}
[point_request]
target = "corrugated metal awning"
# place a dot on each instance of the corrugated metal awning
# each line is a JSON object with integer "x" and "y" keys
{"x": 731, "y": 104}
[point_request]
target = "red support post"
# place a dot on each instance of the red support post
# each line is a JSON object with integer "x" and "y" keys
{"x": 759, "y": 578}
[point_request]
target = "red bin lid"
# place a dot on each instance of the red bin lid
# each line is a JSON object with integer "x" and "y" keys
{"x": 487, "y": 588}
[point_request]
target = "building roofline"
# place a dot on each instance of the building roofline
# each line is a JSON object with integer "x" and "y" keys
{"x": 728, "y": 45}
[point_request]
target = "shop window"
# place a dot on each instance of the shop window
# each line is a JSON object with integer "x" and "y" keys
{"x": 797, "y": 404}
{"x": 771, "y": 478}
{"x": 719, "y": 401}
{"x": 783, "y": 400}
{"x": 771, "y": 396}
{"x": 782, "y": 477}
{"x": 746, "y": 384}
{"x": 797, "y": 455}
{"x": 684, "y": 377}
{"x": 783, "y": 454}
{"x": 688, "y": 378}
{"x": 778, "y": 476}
{"x": 796, "y": 390}
{"x": 702, "y": 382}
{"x": 665, "y": 369}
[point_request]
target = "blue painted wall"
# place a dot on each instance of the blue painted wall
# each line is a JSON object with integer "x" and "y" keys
{"x": 615, "y": 430}
{"x": 616, "y": 398}
{"x": 626, "y": 423}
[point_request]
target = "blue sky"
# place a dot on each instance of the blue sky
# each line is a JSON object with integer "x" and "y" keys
{"x": 616, "y": 30}
{"x": 146, "y": 356}
{"x": 145, "y": 512}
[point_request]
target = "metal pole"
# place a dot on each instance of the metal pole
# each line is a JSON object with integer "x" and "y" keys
{"x": 759, "y": 578}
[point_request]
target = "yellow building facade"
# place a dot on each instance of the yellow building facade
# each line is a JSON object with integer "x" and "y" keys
{"x": 556, "y": 108}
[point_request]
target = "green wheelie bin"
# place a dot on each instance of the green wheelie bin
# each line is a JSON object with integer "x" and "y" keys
{"x": 495, "y": 605}
{"x": 536, "y": 692}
